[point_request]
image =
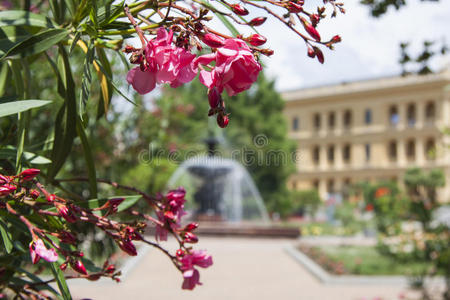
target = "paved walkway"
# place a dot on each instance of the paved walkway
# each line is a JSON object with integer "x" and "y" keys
{"x": 244, "y": 269}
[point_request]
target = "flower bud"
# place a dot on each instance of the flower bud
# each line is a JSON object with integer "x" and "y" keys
{"x": 294, "y": 7}
{"x": 315, "y": 18}
{"x": 257, "y": 21}
{"x": 214, "y": 97}
{"x": 64, "y": 212}
{"x": 311, "y": 52}
{"x": 239, "y": 10}
{"x": 319, "y": 55}
{"x": 180, "y": 253}
{"x": 78, "y": 253}
{"x": 67, "y": 238}
{"x": 93, "y": 277}
{"x": 189, "y": 237}
{"x": 128, "y": 247}
{"x": 51, "y": 198}
{"x": 63, "y": 266}
{"x": 3, "y": 179}
{"x": 310, "y": 29}
{"x": 79, "y": 267}
{"x": 7, "y": 189}
{"x": 213, "y": 41}
{"x": 191, "y": 226}
{"x": 29, "y": 174}
{"x": 336, "y": 39}
{"x": 34, "y": 194}
{"x": 222, "y": 120}
{"x": 257, "y": 40}
{"x": 110, "y": 269}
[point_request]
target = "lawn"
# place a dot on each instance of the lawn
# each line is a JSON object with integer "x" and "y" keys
{"x": 359, "y": 260}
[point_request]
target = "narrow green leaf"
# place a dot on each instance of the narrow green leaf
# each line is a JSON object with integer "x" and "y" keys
{"x": 109, "y": 13}
{"x": 86, "y": 79}
{"x": 24, "y": 18}
{"x": 3, "y": 78}
{"x": 61, "y": 281}
{"x": 105, "y": 85}
{"x": 95, "y": 203}
{"x": 6, "y": 237}
{"x": 92, "y": 174}
{"x": 71, "y": 6}
{"x": 35, "y": 279}
{"x": 37, "y": 43}
{"x": 65, "y": 124}
{"x": 30, "y": 158}
{"x": 11, "y": 108}
{"x": 74, "y": 42}
{"x": 93, "y": 13}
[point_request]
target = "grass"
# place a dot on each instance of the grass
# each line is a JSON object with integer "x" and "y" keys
{"x": 363, "y": 260}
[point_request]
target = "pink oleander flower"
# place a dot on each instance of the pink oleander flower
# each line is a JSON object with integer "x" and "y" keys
{"x": 163, "y": 63}
{"x": 236, "y": 68}
{"x": 171, "y": 213}
{"x": 38, "y": 250}
{"x": 191, "y": 275}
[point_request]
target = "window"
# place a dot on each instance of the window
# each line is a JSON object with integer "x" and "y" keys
{"x": 331, "y": 120}
{"x": 411, "y": 150}
{"x": 368, "y": 116}
{"x": 330, "y": 154}
{"x": 367, "y": 151}
{"x": 394, "y": 118}
{"x": 411, "y": 115}
{"x": 317, "y": 121}
{"x": 315, "y": 184}
{"x": 392, "y": 150}
{"x": 316, "y": 155}
{"x": 330, "y": 186}
{"x": 295, "y": 124}
{"x": 430, "y": 149}
{"x": 347, "y": 119}
{"x": 346, "y": 153}
{"x": 430, "y": 113}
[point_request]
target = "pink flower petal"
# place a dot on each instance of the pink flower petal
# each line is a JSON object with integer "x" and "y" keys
{"x": 142, "y": 82}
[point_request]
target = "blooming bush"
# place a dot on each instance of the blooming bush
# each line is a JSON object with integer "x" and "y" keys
{"x": 50, "y": 50}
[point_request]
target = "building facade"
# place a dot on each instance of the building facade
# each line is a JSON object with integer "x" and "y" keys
{"x": 369, "y": 131}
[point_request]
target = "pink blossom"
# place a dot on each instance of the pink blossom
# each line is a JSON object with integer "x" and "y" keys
{"x": 236, "y": 68}
{"x": 191, "y": 275}
{"x": 164, "y": 63}
{"x": 38, "y": 250}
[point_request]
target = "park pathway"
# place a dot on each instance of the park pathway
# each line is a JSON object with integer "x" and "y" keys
{"x": 244, "y": 269}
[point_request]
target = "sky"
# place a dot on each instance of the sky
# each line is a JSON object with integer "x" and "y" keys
{"x": 369, "y": 47}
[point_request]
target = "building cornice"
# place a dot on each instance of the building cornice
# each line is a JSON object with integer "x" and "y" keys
{"x": 367, "y": 86}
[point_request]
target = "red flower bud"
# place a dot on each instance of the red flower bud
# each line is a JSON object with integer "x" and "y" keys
{"x": 311, "y": 52}
{"x": 189, "y": 237}
{"x": 180, "y": 253}
{"x": 7, "y": 189}
{"x": 257, "y": 21}
{"x": 110, "y": 269}
{"x": 310, "y": 29}
{"x": 191, "y": 226}
{"x": 4, "y": 179}
{"x": 79, "y": 267}
{"x": 64, "y": 212}
{"x": 213, "y": 41}
{"x": 128, "y": 247}
{"x": 77, "y": 253}
{"x": 63, "y": 266}
{"x": 315, "y": 18}
{"x": 34, "y": 194}
{"x": 222, "y": 120}
{"x": 294, "y": 7}
{"x": 51, "y": 198}
{"x": 319, "y": 55}
{"x": 29, "y": 174}
{"x": 67, "y": 238}
{"x": 239, "y": 10}
{"x": 336, "y": 39}
{"x": 257, "y": 40}
{"x": 214, "y": 97}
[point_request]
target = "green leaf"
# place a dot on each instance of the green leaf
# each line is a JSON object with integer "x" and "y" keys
{"x": 92, "y": 174}
{"x": 3, "y": 77}
{"x": 95, "y": 203}
{"x": 6, "y": 237}
{"x": 14, "y": 107}
{"x": 86, "y": 79}
{"x": 74, "y": 42}
{"x": 108, "y": 13}
{"x": 24, "y": 18}
{"x": 36, "y": 43}
{"x": 105, "y": 85}
{"x": 61, "y": 281}
{"x": 31, "y": 158}
{"x": 65, "y": 123}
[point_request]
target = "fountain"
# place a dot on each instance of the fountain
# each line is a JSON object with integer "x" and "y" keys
{"x": 222, "y": 195}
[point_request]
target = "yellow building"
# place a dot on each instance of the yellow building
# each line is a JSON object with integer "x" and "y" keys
{"x": 369, "y": 130}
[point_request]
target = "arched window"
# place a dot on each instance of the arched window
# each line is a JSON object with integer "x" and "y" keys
{"x": 392, "y": 150}
{"x": 346, "y": 153}
{"x": 411, "y": 149}
{"x": 411, "y": 115}
{"x": 430, "y": 113}
{"x": 316, "y": 154}
{"x": 347, "y": 119}
{"x": 393, "y": 115}
{"x": 430, "y": 149}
